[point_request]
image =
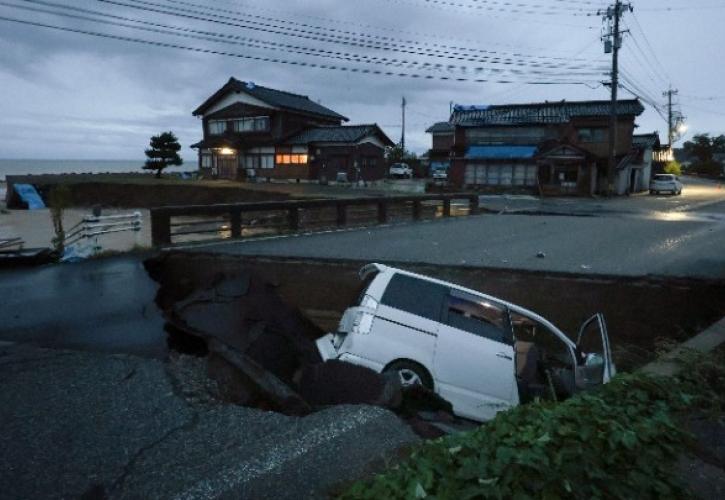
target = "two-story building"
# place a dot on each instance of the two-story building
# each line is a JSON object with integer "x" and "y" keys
{"x": 439, "y": 155}
{"x": 250, "y": 131}
{"x": 551, "y": 147}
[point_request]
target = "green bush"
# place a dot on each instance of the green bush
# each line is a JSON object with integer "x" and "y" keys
{"x": 674, "y": 168}
{"x": 619, "y": 441}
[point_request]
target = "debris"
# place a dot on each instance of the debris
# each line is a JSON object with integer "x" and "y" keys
{"x": 585, "y": 266}
{"x": 337, "y": 382}
{"x": 256, "y": 382}
{"x": 541, "y": 255}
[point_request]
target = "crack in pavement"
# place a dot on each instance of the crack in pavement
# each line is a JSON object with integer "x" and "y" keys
{"x": 117, "y": 485}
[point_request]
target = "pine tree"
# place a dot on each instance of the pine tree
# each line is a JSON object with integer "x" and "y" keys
{"x": 164, "y": 152}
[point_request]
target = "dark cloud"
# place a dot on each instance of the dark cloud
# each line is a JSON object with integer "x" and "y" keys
{"x": 73, "y": 96}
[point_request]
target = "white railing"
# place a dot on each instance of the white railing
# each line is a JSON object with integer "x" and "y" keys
{"x": 82, "y": 240}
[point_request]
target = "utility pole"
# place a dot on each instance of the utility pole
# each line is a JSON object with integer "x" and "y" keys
{"x": 402, "y": 136}
{"x": 613, "y": 42}
{"x": 670, "y": 123}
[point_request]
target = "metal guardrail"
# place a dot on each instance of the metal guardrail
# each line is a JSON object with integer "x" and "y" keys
{"x": 93, "y": 226}
{"x": 161, "y": 225}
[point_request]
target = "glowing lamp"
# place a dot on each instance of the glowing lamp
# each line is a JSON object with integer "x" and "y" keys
{"x": 226, "y": 151}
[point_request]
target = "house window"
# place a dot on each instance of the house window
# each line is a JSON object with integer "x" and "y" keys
{"x": 258, "y": 161}
{"x": 251, "y": 124}
{"x": 592, "y": 134}
{"x": 251, "y": 161}
{"x": 291, "y": 159}
{"x": 205, "y": 161}
{"x": 217, "y": 127}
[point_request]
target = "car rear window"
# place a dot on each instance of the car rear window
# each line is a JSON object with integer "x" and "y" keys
{"x": 415, "y": 296}
{"x": 662, "y": 177}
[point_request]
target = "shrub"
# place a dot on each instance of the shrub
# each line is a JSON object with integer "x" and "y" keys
{"x": 674, "y": 168}
{"x": 619, "y": 441}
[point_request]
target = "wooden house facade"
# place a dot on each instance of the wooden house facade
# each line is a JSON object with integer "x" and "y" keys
{"x": 254, "y": 132}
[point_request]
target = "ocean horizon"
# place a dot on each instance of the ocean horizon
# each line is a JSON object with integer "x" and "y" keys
{"x": 36, "y": 167}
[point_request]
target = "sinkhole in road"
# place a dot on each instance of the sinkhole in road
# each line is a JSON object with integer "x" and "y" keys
{"x": 291, "y": 302}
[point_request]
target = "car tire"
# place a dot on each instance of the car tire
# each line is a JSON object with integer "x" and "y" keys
{"x": 410, "y": 373}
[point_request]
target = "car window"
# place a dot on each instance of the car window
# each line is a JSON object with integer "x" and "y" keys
{"x": 415, "y": 296}
{"x": 478, "y": 316}
{"x": 529, "y": 331}
{"x": 661, "y": 177}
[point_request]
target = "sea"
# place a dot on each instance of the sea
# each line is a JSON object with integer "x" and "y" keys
{"x": 21, "y": 167}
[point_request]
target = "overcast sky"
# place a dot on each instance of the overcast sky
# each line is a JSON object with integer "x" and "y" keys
{"x": 75, "y": 96}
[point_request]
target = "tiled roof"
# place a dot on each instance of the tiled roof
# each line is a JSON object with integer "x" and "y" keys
{"x": 539, "y": 113}
{"x": 440, "y": 128}
{"x": 273, "y": 97}
{"x": 342, "y": 133}
{"x": 500, "y": 152}
{"x": 646, "y": 140}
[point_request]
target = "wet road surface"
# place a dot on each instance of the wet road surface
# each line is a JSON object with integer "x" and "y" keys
{"x": 104, "y": 305}
{"x": 630, "y": 236}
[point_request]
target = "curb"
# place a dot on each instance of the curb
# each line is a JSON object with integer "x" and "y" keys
{"x": 703, "y": 342}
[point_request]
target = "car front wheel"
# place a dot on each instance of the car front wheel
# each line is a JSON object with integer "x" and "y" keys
{"x": 410, "y": 374}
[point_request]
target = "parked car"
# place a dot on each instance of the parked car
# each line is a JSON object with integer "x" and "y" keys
{"x": 480, "y": 353}
{"x": 400, "y": 170}
{"x": 665, "y": 182}
{"x": 439, "y": 174}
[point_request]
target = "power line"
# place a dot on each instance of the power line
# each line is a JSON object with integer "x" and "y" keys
{"x": 264, "y": 45}
{"x": 496, "y": 12}
{"x": 332, "y": 67}
{"x": 652, "y": 51}
{"x": 341, "y": 34}
{"x": 507, "y": 7}
{"x": 306, "y": 34}
{"x": 397, "y": 30}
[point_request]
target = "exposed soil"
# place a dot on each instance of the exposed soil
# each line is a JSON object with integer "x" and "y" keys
{"x": 640, "y": 312}
{"x": 156, "y": 195}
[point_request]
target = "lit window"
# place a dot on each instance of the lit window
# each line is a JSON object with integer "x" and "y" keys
{"x": 278, "y": 159}
{"x": 303, "y": 159}
{"x": 286, "y": 159}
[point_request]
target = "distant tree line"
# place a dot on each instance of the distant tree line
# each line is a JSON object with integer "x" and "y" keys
{"x": 704, "y": 149}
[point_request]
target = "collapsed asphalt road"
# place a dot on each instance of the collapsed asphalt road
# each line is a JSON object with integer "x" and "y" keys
{"x": 262, "y": 351}
{"x": 89, "y": 425}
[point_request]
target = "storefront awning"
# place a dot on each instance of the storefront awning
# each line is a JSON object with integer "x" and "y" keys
{"x": 500, "y": 152}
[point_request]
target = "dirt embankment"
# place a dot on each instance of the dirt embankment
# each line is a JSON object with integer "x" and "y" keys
{"x": 138, "y": 192}
{"x": 156, "y": 195}
{"x": 640, "y": 312}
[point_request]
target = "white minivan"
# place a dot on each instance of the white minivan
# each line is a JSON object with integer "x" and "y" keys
{"x": 480, "y": 353}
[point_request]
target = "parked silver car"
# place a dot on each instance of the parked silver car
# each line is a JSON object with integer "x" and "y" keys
{"x": 401, "y": 170}
{"x": 665, "y": 183}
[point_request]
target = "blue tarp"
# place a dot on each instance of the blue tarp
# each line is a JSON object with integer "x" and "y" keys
{"x": 474, "y": 107}
{"x": 500, "y": 152}
{"x": 29, "y": 196}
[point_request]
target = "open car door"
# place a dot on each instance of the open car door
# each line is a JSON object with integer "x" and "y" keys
{"x": 594, "y": 354}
